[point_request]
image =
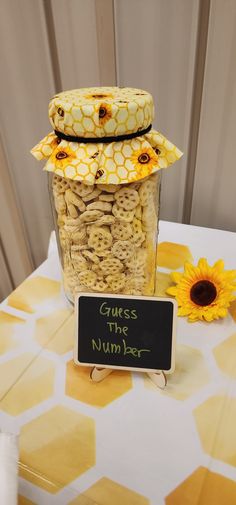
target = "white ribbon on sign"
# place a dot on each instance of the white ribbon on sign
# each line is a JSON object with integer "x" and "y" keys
{"x": 8, "y": 469}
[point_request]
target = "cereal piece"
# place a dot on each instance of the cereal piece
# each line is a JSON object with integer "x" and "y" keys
{"x": 82, "y": 247}
{"x": 87, "y": 278}
{"x": 63, "y": 238}
{"x": 91, "y": 256}
{"x": 60, "y": 204}
{"x": 72, "y": 222}
{"x": 80, "y": 235}
{"x": 134, "y": 283}
{"x": 109, "y": 188}
{"x": 136, "y": 225}
{"x": 105, "y": 206}
{"x": 136, "y": 264}
{"x": 61, "y": 220}
{"x": 123, "y": 215}
{"x": 84, "y": 190}
{"x": 95, "y": 193}
{"x": 116, "y": 282}
{"x": 75, "y": 199}
{"x": 91, "y": 215}
{"x": 131, "y": 291}
{"x": 94, "y": 226}
{"x": 111, "y": 265}
{"x": 127, "y": 198}
{"x": 75, "y": 186}
{"x": 149, "y": 218}
{"x": 121, "y": 230}
{"x": 99, "y": 239}
{"x": 69, "y": 229}
{"x": 122, "y": 249}
{"x": 107, "y": 219}
{"x": 60, "y": 184}
{"x": 138, "y": 238}
{"x": 103, "y": 254}
{"x": 146, "y": 192}
{"x": 138, "y": 235}
{"x": 100, "y": 285}
{"x": 106, "y": 198}
{"x": 96, "y": 268}
{"x": 72, "y": 210}
{"x": 78, "y": 261}
{"x": 138, "y": 212}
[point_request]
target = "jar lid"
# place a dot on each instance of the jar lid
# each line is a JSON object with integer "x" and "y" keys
{"x": 104, "y": 136}
{"x": 101, "y": 112}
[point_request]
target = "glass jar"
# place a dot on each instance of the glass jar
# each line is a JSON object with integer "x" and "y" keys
{"x": 105, "y": 163}
{"x": 107, "y": 235}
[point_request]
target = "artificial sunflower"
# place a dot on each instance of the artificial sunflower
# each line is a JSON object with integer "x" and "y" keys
{"x": 203, "y": 292}
{"x": 144, "y": 160}
{"x": 62, "y": 156}
{"x": 104, "y": 113}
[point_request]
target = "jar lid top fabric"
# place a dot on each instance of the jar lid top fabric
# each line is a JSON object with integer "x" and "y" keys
{"x": 101, "y": 112}
{"x": 86, "y": 124}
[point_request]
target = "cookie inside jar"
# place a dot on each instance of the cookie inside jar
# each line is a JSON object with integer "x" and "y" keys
{"x": 107, "y": 235}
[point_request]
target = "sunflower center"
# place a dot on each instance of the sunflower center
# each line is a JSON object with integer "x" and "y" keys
{"x": 144, "y": 158}
{"x": 61, "y": 155}
{"x": 102, "y": 112}
{"x": 203, "y": 293}
{"x": 99, "y": 96}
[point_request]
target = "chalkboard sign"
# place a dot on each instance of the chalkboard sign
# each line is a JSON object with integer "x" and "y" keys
{"x": 116, "y": 331}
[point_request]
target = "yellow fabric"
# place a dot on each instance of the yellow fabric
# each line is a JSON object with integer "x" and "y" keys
{"x": 124, "y": 111}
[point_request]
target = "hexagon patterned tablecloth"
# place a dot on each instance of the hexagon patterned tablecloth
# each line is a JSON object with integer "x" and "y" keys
{"x": 122, "y": 441}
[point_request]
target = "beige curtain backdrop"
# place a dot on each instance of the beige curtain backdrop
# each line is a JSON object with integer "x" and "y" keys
{"x": 182, "y": 51}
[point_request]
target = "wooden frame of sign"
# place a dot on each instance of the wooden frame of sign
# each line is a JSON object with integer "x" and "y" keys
{"x": 119, "y": 317}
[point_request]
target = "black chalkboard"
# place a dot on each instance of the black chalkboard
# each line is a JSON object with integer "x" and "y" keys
{"x": 121, "y": 332}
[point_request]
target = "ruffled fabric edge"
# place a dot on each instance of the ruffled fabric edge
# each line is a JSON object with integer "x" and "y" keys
{"x": 101, "y": 163}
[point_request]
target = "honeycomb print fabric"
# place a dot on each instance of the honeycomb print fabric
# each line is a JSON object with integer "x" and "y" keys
{"x": 121, "y": 441}
{"x": 104, "y": 112}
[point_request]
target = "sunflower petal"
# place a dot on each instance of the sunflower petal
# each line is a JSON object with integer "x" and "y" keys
{"x": 172, "y": 291}
{"x": 176, "y": 276}
{"x": 219, "y": 265}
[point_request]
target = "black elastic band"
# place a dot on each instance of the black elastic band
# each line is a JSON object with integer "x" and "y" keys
{"x": 104, "y": 140}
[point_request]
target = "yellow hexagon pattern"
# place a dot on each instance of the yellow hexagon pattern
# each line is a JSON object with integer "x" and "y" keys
{"x": 204, "y": 487}
{"x": 225, "y": 356}
{"x": 232, "y": 310}
{"x": 190, "y": 375}
{"x": 24, "y": 501}
{"x": 107, "y": 492}
{"x": 56, "y": 448}
{"x": 215, "y": 420}
{"x": 8, "y": 324}
{"x": 32, "y": 292}
{"x": 80, "y": 387}
{"x": 33, "y": 386}
{"x": 104, "y": 112}
{"x": 55, "y": 331}
{"x": 172, "y": 256}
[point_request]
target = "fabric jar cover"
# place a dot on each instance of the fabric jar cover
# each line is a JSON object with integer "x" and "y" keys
{"x": 95, "y": 113}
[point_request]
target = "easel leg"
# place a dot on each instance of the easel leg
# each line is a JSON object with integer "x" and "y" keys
{"x": 159, "y": 379}
{"x": 98, "y": 374}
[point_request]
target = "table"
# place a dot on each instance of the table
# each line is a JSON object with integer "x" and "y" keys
{"x": 121, "y": 441}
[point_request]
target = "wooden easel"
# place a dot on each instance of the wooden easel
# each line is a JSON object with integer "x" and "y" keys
{"x": 158, "y": 378}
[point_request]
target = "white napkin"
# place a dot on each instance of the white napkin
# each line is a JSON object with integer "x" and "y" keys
{"x": 8, "y": 469}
